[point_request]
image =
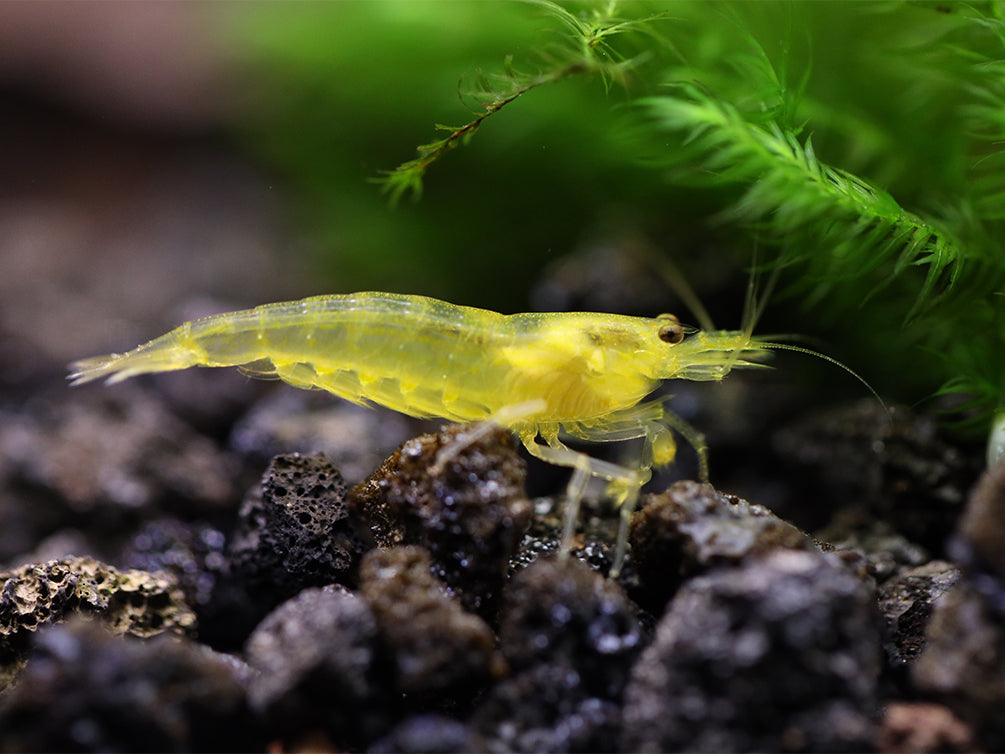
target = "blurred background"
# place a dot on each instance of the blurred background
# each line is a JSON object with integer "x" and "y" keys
{"x": 166, "y": 160}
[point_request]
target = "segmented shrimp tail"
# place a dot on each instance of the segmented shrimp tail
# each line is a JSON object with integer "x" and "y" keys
{"x": 161, "y": 355}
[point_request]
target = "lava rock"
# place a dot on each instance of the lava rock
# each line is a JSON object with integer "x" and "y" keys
{"x": 887, "y": 553}
{"x": 593, "y": 542}
{"x": 318, "y": 667}
{"x": 122, "y": 449}
{"x": 546, "y": 709}
{"x": 441, "y": 652}
{"x": 891, "y": 460}
{"x": 135, "y": 602}
{"x": 297, "y": 531}
{"x": 963, "y": 662}
{"x": 429, "y": 734}
{"x": 780, "y": 654}
{"x": 191, "y": 552}
{"x": 294, "y": 531}
{"x": 195, "y": 554}
{"x": 356, "y": 438}
{"x": 469, "y": 510}
{"x": 561, "y": 611}
{"x": 84, "y": 689}
{"x": 906, "y": 603}
{"x": 691, "y": 528}
{"x": 978, "y": 544}
{"x": 570, "y": 637}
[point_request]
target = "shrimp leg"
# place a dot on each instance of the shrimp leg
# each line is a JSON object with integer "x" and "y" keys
{"x": 507, "y": 416}
{"x": 585, "y": 466}
{"x": 653, "y": 422}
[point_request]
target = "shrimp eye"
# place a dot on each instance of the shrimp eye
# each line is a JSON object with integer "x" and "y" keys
{"x": 671, "y": 333}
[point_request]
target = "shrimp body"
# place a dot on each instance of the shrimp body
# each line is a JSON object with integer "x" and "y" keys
{"x": 539, "y": 374}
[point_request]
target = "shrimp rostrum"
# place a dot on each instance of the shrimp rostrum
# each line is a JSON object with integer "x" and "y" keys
{"x": 544, "y": 376}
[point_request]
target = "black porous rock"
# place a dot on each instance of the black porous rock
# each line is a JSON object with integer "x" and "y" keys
{"x": 906, "y": 602}
{"x": 570, "y": 637}
{"x": 194, "y": 553}
{"x": 593, "y": 543}
{"x": 316, "y": 658}
{"x": 135, "y": 602}
{"x": 467, "y": 507}
{"x": 297, "y": 532}
{"x": 429, "y": 734}
{"x": 356, "y": 438}
{"x": 442, "y": 653}
{"x": 691, "y": 528}
{"x": 84, "y": 689}
{"x": 963, "y": 662}
{"x": 780, "y": 654}
{"x": 895, "y": 462}
{"x": 119, "y": 449}
{"x": 888, "y": 553}
{"x": 546, "y": 709}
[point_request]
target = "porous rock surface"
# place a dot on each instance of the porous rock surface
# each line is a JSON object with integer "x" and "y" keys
{"x": 317, "y": 667}
{"x": 780, "y": 654}
{"x": 85, "y": 689}
{"x": 441, "y": 652}
{"x": 467, "y": 507}
{"x": 692, "y": 527}
{"x": 135, "y": 602}
{"x": 570, "y": 637}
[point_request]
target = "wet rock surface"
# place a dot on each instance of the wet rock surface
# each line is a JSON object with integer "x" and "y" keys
{"x": 460, "y": 497}
{"x": 318, "y": 667}
{"x": 692, "y": 528}
{"x": 427, "y": 610}
{"x": 442, "y": 655}
{"x": 85, "y": 689}
{"x": 569, "y": 637}
{"x": 780, "y": 654}
{"x": 907, "y": 601}
{"x": 37, "y": 595}
{"x": 193, "y": 553}
{"x": 294, "y": 531}
{"x": 963, "y": 659}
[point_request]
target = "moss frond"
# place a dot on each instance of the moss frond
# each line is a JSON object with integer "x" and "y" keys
{"x": 837, "y": 224}
{"x": 584, "y": 49}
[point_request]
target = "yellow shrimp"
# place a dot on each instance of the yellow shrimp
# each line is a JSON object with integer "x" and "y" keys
{"x": 580, "y": 374}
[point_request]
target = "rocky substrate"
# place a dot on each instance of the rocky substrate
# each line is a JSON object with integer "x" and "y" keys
{"x": 146, "y": 607}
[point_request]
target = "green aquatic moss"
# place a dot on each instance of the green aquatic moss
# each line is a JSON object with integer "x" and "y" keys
{"x": 860, "y": 144}
{"x": 857, "y": 146}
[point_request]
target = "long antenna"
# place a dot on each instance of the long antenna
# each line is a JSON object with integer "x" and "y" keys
{"x": 825, "y": 357}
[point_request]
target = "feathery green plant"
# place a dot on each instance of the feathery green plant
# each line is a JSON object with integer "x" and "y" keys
{"x": 585, "y": 50}
{"x": 835, "y": 224}
{"x": 810, "y": 164}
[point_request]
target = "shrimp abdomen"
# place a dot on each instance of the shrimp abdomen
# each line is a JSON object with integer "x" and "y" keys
{"x": 405, "y": 352}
